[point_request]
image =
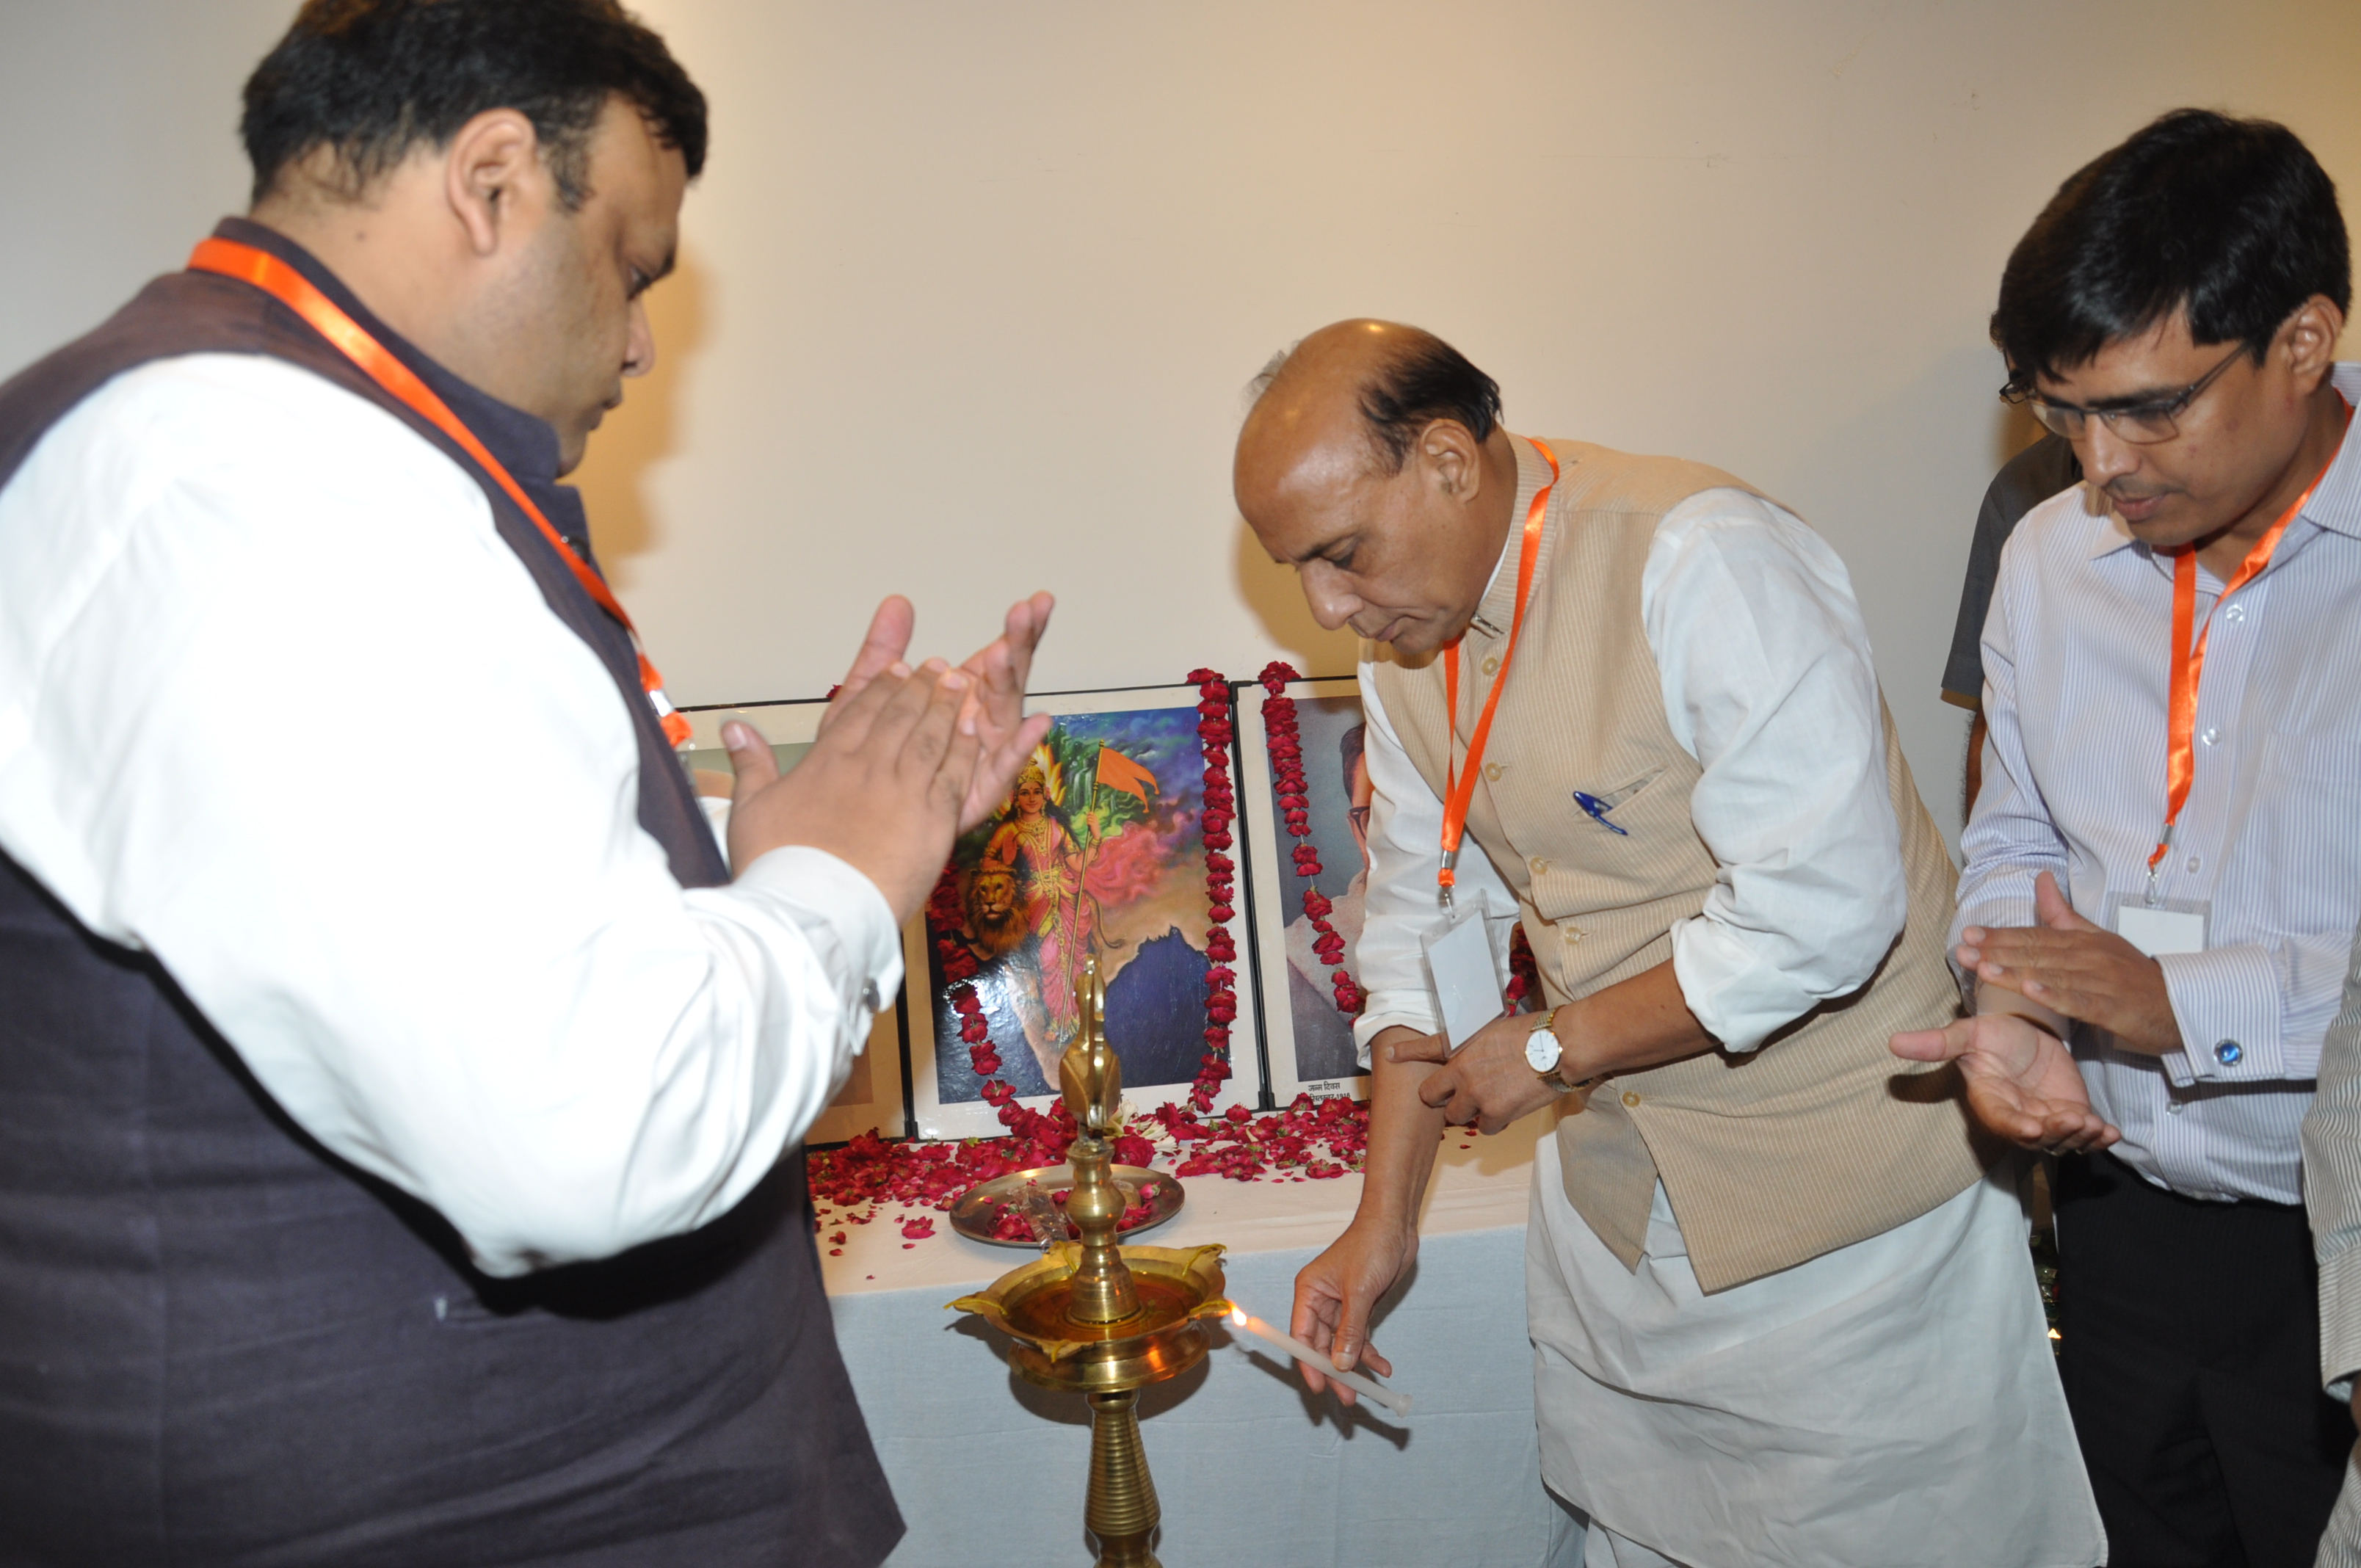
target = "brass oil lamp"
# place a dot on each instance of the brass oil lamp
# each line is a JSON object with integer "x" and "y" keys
{"x": 1101, "y": 1320}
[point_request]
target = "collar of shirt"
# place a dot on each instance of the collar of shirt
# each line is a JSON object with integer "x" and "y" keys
{"x": 1497, "y": 608}
{"x": 2334, "y": 506}
{"x": 524, "y": 444}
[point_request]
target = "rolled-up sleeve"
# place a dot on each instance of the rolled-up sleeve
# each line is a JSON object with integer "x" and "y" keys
{"x": 1767, "y": 682}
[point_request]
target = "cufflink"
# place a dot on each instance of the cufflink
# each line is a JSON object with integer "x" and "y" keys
{"x": 869, "y": 997}
{"x": 2229, "y": 1053}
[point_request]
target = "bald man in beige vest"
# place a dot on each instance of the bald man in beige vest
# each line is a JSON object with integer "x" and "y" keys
{"x": 1780, "y": 1303}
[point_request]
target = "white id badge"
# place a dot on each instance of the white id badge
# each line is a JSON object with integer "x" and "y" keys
{"x": 2172, "y": 925}
{"x": 1460, "y": 970}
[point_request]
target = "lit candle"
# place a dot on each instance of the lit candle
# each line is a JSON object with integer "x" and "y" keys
{"x": 1366, "y": 1387}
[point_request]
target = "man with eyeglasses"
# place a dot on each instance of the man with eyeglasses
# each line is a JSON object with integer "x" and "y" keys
{"x": 2164, "y": 866}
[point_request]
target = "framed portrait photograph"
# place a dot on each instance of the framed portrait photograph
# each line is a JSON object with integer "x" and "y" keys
{"x": 1098, "y": 853}
{"x": 1307, "y": 1035}
{"x": 876, "y": 1092}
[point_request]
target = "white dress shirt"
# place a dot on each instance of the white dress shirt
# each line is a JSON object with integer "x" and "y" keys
{"x": 2077, "y": 663}
{"x": 1764, "y": 664}
{"x": 269, "y": 682}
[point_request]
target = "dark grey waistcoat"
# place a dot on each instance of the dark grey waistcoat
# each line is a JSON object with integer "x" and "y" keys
{"x": 219, "y": 1344}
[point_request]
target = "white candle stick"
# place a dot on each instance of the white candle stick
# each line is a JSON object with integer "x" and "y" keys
{"x": 1366, "y": 1387}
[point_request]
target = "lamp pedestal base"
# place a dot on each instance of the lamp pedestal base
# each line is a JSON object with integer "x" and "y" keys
{"x": 1122, "y": 1511}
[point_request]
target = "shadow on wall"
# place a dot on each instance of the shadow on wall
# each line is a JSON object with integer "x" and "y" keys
{"x": 1271, "y": 591}
{"x": 639, "y": 435}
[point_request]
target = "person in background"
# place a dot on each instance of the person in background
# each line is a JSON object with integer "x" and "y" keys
{"x": 1770, "y": 1292}
{"x": 2025, "y": 480}
{"x": 2332, "y": 1196}
{"x": 391, "y": 1172}
{"x": 2163, "y": 875}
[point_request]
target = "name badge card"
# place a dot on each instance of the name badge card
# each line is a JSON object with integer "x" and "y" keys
{"x": 1460, "y": 970}
{"x": 2173, "y": 926}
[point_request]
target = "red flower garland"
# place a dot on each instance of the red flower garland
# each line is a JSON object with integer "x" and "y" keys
{"x": 1286, "y": 750}
{"x": 1215, "y": 733}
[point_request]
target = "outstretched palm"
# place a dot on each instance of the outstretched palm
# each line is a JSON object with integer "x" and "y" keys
{"x": 2022, "y": 1082}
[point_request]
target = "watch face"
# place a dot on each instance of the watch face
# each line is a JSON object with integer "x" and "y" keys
{"x": 1541, "y": 1049}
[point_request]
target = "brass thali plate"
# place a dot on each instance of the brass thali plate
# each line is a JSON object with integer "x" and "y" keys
{"x": 975, "y": 1214}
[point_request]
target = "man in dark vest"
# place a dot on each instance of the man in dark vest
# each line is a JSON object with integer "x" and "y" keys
{"x": 392, "y": 1173}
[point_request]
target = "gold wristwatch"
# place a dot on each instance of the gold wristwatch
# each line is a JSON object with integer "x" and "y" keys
{"x": 1543, "y": 1051}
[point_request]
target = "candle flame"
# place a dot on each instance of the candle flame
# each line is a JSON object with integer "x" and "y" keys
{"x": 1238, "y": 1316}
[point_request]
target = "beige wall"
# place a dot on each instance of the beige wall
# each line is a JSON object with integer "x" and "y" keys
{"x": 970, "y": 290}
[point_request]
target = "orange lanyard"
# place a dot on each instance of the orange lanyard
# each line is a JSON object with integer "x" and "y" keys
{"x": 1459, "y": 787}
{"x": 2189, "y": 662}
{"x": 291, "y": 289}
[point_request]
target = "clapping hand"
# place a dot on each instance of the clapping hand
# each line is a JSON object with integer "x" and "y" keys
{"x": 905, "y": 759}
{"x": 999, "y": 670}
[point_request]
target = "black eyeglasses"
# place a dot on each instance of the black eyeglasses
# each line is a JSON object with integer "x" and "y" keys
{"x": 2141, "y": 424}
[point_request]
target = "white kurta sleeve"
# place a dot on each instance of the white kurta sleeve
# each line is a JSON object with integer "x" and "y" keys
{"x": 265, "y": 669}
{"x": 1768, "y": 683}
{"x": 1405, "y": 852}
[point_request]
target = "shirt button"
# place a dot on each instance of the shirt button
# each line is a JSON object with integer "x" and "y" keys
{"x": 1576, "y": 933}
{"x": 1631, "y": 1097}
{"x": 1492, "y": 772}
{"x": 2174, "y": 1107}
{"x": 2235, "y": 612}
{"x": 1491, "y": 663}
{"x": 2229, "y": 1053}
{"x": 1539, "y": 866}
{"x": 2195, "y": 861}
{"x": 2210, "y": 735}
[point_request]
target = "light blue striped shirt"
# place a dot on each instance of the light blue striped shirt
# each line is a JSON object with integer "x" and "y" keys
{"x": 2077, "y": 655}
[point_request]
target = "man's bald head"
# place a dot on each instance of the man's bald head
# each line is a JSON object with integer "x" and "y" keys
{"x": 1396, "y": 378}
{"x": 1373, "y": 462}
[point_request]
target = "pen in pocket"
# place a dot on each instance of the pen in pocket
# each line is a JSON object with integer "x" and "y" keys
{"x": 1596, "y": 809}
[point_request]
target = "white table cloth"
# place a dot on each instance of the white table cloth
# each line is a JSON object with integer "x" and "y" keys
{"x": 1251, "y": 1469}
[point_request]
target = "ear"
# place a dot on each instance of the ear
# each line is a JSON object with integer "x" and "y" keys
{"x": 2311, "y": 337}
{"x": 492, "y": 161}
{"x": 1451, "y": 458}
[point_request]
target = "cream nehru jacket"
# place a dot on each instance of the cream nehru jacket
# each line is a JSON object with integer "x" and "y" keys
{"x": 1820, "y": 1139}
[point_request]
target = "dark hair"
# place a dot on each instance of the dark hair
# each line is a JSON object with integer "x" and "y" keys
{"x": 2233, "y": 219}
{"x": 375, "y": 78}
{"x": 1428, "y": 380}
{"x": 1350, "y": 746}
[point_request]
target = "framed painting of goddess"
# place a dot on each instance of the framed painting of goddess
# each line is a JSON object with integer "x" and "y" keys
{"x": 876, "y": 1093}
{"x": 1307, "y": 908}
{"x": 1098, "y": 852}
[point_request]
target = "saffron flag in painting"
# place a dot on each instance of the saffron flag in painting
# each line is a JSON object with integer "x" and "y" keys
{"x": 1118, "y": 771}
